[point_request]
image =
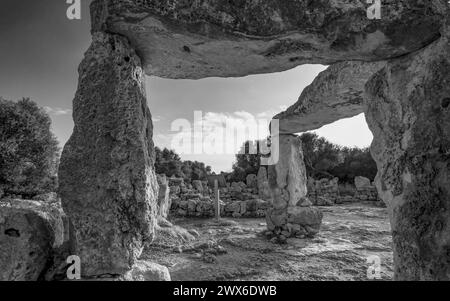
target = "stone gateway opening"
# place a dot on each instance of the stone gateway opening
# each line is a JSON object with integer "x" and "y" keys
{"x": 394, "y": 69}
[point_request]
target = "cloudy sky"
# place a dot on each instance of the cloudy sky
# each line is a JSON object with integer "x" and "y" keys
{"x": 40, "y": 50}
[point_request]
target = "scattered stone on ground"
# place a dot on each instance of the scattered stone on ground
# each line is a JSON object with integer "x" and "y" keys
{"x": 238, "y": 249}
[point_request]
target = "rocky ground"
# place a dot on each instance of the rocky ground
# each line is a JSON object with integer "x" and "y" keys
{"x": 237, "y": 249}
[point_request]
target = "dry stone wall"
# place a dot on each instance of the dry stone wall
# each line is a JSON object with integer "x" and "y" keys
{"x": 236, "y": 200}
{"x": 327, "y": 192}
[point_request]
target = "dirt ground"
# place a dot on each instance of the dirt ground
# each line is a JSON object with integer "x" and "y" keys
{"x": 237, "y": 249}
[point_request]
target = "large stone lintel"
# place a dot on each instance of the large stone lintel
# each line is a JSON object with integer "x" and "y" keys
{"x": 197, "y": 39}
{"x": 335, "y": 93}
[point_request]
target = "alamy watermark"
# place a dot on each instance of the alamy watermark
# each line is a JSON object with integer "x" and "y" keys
{"x": 74, "y": 10}
{"x": 74, "y": 269}
{"x": 222, "y": 135}
{"x": 374, "y": 10}
{"x": 374, "y": 270}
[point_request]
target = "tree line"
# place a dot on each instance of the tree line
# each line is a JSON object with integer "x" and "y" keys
{"x": 29, "y": 155}
{"x": 323, "y": 159}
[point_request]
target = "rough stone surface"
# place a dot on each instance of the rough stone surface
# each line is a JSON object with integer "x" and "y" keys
{"x": 252, "y": 181}
{"x": 147, "y": 271}
{"x": 288, "y": 185}
{"x": 30, "y": 232}
{"x": 287, "y": 178}
{"x": 263, "y": 184}
{"x": 164, "y": 201}
{"x": 305, "y": 216}
{"x": 362, "y": 182}
{"x": 323, "y": 192}
{"x": 409, "y": 114}
{"x": 198, "y": 186}
{"x": 196, "y": 39}
{"x": 107, "y": 183}
{"x": 295, "y": 221}
{"x": 335, "y": 93}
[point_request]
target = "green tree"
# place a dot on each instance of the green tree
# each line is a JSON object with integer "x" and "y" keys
{"x": 169, "y": 163}
{"x": 357, "y": 162}
{"x": 248, "y": 161}
{"x": 29, "y": 152}
{"x": 324, "y": 159}
{"x": 320, "y": 155}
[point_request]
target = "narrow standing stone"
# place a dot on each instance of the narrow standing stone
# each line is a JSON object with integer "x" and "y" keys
{"x": 217, "y": 199}
{"x": 107, "y": 183}
{"x": 287, "y": 182}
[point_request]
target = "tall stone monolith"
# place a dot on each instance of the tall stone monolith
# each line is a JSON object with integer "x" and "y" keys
{"x": 291, "y": 214}
{"x": 108, "y": 186}
{"x": 408, "y": 111}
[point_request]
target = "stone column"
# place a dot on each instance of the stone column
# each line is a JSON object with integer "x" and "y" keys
{"x": 408, "y": 111}
{"x": 291, "y": 213}
{"x": 217, "y": 200}
{"x": 107, "y": 183}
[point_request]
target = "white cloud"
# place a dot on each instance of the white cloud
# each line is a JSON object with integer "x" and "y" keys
{"x": 156, "y": 119}
{"x": 214, "y": 133}
{"x": 269, "y": 114}
{"x": 57, "y": 111}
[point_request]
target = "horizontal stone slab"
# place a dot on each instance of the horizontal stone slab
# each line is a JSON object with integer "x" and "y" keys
{"x": 197, "y": 39}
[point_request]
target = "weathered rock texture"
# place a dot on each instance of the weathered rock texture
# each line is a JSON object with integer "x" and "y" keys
{"x": 323, "y": 192}
{"x": 408, "y": 111}
{"x": 263, "y": 184}
{"x": 287, "y": 178}
{"x": 287, "y": 181}
{"x": 147, "y": 271}
{"x": 107, "y": 183}
{"x": 196, "y": 39}
{"x": 252, "y": 181}
{"x": 335, "y": 93}
{"x": 31, "y": 235}
{"x": 362, "y": 182}
{"x": 164, "y": 201}
{"x": 326, "y": 192}
{"x": 366, "y": 191}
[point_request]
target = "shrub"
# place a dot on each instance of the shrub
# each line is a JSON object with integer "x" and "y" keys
{"x": 29, "y": 152}
{"x": 169, "y": 163}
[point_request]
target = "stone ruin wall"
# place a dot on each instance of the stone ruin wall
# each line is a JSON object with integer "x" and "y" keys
{"x": 236, "y": 199}
{"x": 178, "y": 198}
{"x": 327, "y": 192}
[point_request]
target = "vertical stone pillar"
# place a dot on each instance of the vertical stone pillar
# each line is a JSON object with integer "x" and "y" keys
{"x": 291, "y": 213}
{"x": 164, "y": 201}
{"x": 107, "y": 183}
{"x": 408, "y": 111}
{"x": 217, "y": 199}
